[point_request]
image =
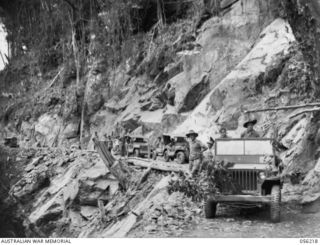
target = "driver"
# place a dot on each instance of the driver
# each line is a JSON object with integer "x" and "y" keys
{"x": 250, "y": 132}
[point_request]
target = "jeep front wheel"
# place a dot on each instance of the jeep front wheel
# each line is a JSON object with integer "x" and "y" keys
{"x": 136, "y": 152}
{"x": 275, "y": 204}
{"x": 181, "y": 157}
{"x": 210, "y": 208}
{"x": 154, "y": 155}
{"x": 166, "y": 156}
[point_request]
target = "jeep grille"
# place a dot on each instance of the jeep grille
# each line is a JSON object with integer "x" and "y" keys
{"x": 144, "y": 148}
{"x": 246, "y": 179}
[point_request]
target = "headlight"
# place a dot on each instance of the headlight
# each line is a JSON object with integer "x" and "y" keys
{"x": 262, "y": 175}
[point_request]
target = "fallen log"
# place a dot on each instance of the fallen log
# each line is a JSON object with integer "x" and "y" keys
{"x": 304, "y": 111}
{"x": 53, "y": 80}
{"x": 159, "y": 165}
{"x": 284, "y": 107}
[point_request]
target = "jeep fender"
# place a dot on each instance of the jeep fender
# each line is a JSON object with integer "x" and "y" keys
{"x": 269, "y": 182}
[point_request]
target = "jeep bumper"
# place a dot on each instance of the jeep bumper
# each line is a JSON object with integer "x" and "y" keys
{"x": 242, "y": 198}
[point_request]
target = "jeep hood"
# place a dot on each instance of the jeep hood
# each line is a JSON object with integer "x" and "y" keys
{"x": 248, "y": 166}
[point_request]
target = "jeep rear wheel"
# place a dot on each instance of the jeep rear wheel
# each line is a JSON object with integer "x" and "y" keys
{"x": 136, "y": 152}
{"x": 210, "y": 208}
{"x": 275, "y": 204}
{"x": 166, "y": 156}
{"x": 181, "y": 157}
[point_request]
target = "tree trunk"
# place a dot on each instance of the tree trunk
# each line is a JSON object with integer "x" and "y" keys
{"x": 118, "y": 168}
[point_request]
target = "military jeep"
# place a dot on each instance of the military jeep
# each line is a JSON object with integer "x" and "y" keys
{"x": 254, "y": 168}
{"x": 137, "y": 146}
{"x": 173, "y": 147}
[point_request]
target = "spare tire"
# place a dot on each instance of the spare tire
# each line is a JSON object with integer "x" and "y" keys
{"x": 181, "y": 157}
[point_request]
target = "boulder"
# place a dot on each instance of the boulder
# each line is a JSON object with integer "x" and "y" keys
{"x": 48, "y": 211}
{"x": 49, "y": 126}
{"x": 71, "y": 130}
{"x": 31, "y": 183}
{"x": 88, "y": 212}
{"x": 311, "y": 207}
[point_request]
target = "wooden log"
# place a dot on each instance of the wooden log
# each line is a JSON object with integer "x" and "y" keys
{"x": 304, "y": 111}
{"x": 144, "y": 176}
{"x": 284, "y": 107}
{"x": 159, "y": 165}
{"x": 54, "y": 80}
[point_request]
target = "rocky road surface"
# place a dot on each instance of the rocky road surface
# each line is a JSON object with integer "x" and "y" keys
{"x": 233, "y": 223}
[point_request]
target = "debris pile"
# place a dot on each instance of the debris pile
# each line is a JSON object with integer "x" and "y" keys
{"x": 173, "y": 213}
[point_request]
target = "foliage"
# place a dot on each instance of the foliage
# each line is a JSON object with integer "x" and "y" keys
{"x": 47, "y": 26}
{"x": 302, "y": 18}
{"x": 207, "y": 182}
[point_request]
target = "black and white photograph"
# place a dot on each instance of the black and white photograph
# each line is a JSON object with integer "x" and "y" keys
{"x": 159, "y": 119}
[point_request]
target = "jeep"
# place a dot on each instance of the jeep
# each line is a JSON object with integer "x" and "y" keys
{"x": 175, "y": 147}
{"x": 137, "y": 146}
{"x": 254, "y": 169}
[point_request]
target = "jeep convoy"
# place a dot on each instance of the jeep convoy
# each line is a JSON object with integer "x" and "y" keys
{"x": 170, "y": 148}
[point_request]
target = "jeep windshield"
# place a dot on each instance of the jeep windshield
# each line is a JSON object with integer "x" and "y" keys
{"x": 253, "y": 151}
{"x": 179, "y": 139}
{"x": 139, "y": 140}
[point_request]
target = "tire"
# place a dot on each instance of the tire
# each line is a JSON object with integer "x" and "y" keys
{"x": 136, "y": 152}
{"x": 166, "y": 156}
{"x": 210, "y": 208}
{"x": 181, "y": 157}
{"x": 275, "y": 204}
{"x": 154, "y": 155}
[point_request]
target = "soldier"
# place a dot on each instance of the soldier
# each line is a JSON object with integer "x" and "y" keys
{"x": 250, "y": 132}
{"x": 158, "y": 142}
{"x": 109, "y": 142}
{"x": 96, "y": 136}
{"x": 223, "y": 133}
{"x": 170, "y": 94}
{"x": 216, "y": 7}
{"x": 196, "y": 152}
{"x": 208, "y": 156}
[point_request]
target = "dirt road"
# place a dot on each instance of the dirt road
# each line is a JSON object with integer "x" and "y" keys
{"x": 233, "y": 223}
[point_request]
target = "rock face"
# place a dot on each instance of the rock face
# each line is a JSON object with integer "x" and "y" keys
{"x": 47, "y": 129}
{"x": 61, "y": 186}
{"x": 237, "y": 90}
{"x": 221, "y": 44}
